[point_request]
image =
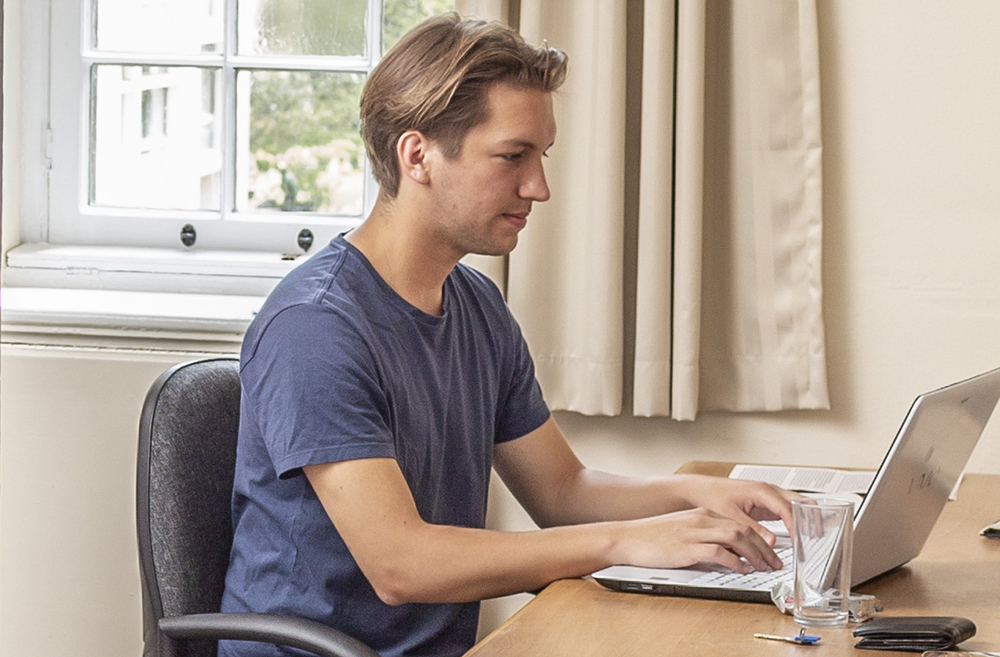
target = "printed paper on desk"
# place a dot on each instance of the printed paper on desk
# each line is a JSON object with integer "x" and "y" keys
{"x": 808, "y": 480}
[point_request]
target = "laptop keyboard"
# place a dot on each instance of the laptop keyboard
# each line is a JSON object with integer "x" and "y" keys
{"x": 759, "y": 580}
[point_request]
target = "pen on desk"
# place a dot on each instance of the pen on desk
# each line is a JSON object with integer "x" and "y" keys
{"x": 803, "y": 639}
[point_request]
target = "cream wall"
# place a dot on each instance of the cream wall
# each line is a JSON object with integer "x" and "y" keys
{"x": 911, "y": 109}
{"x": 69, "y": 576}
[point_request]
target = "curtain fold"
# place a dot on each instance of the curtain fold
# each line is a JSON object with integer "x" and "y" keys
{"x": 654, "y": 245}
{"x": 727, "y": 246}
{"x": 688, "y": 191}
{"x": 762, "y": 341}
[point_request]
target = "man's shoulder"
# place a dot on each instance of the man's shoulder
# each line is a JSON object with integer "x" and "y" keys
{"x": 311, "y": 279}
{"x": 318, "y": 295}
{"x": 332, "y": 279}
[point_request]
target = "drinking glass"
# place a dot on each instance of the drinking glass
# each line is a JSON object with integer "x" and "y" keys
{"x": 822, "y": 538}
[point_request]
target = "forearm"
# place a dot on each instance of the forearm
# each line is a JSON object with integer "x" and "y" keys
{"x": 545, "y": 475}
{"x": 554, "y": 486}
{"x": 435, "y": 563}
{"x": 593, "y": 495}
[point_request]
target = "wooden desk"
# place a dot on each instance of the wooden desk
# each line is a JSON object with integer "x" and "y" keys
{"x": 956, "y": 574}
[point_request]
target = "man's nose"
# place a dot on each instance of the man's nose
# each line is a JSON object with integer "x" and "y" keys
{"x": 535, "y": 186}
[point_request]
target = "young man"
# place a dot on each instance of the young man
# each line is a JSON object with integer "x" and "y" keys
{"x": 382, "y": 381}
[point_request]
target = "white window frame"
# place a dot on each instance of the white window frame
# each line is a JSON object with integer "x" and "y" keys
{"x": 68, "y": 244}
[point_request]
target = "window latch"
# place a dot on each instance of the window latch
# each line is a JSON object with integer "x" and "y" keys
{"x": 188, "y": 235}
{"x": 305, "y": 239}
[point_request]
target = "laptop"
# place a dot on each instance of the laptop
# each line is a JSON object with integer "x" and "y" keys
{"x": 895, "y": 518}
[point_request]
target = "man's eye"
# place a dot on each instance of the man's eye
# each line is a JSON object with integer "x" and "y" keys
{"x": 512, "y": 157}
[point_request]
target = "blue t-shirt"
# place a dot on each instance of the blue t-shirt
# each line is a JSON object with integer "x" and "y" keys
{"x": 337, "y": 366}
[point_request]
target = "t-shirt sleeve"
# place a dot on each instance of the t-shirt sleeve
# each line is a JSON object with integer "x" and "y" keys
{"x": 313, "y": 389}
{"x": 522, "y": 409}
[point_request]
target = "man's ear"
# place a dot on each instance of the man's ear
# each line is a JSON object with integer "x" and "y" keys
{"x": 411, "y": 151}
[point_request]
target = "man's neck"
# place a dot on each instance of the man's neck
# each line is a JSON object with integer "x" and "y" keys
{"x": 405, "y": 256}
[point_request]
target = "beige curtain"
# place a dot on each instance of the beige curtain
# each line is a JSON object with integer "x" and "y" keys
{"x": 762, "y": 343}
{"x": 677, "y": 265}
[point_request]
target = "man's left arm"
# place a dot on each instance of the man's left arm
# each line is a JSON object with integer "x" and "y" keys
{"x": 555, "y": 488}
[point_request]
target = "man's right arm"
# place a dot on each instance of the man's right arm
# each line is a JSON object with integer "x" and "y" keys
{"x": 409, "y": 560}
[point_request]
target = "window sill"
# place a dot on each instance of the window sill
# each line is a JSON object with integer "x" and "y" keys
{"x": 157, "y": 321}
{"x": 148, "y": 299}
{"x": 249, "y": 273}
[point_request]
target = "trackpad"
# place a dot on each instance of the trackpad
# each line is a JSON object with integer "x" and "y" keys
{"x": 667, "y": 575}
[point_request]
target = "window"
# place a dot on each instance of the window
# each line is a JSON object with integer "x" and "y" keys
{"x": 233, "y": 123}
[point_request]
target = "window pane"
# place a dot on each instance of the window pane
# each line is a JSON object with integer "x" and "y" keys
{"x": 165, "y": 26}
{"x": 399, "y": 16}
{"x": 155, "y": 137}
{"x": 301, "y": 27}
{"x": 298, "y": 142}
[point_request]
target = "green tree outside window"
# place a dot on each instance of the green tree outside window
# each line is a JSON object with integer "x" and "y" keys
{"x": 305, "y": 146}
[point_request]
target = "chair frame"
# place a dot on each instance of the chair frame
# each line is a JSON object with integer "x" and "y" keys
{"x": 164, "y": 637}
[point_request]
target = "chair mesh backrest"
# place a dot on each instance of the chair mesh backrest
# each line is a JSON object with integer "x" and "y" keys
{"x": 187, "y": 454}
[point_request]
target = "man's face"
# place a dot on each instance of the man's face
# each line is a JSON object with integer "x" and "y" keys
{"x": 484, "y": 195}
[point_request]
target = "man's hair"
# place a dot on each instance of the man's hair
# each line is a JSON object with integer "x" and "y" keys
{"x": 435, "y": 80}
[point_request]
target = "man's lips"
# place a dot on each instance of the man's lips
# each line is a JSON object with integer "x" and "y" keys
{"x": 519, "y": 219}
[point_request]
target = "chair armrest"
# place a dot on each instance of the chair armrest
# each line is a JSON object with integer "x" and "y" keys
{"x": 299, "y": 633}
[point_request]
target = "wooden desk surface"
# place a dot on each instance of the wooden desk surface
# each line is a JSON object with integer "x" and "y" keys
{"x": 956, "y": 574}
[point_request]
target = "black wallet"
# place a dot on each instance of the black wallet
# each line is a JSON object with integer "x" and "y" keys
{"x": 914, "y": 633}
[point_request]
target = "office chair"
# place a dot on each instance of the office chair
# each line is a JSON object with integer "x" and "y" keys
{"x": 187, "y": 456}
